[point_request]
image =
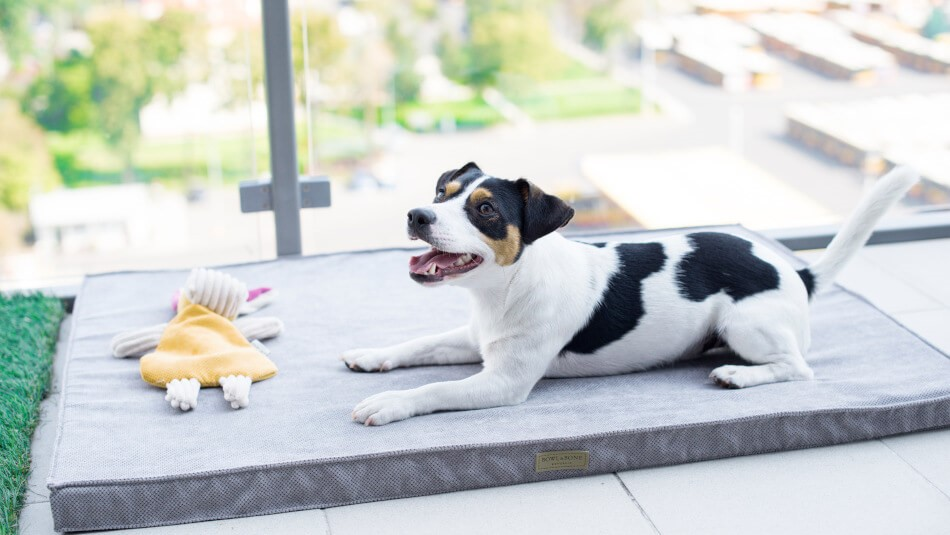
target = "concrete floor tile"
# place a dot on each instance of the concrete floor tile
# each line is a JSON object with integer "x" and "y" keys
{"x": 931, "y": 325}
{"x": 59, "y": 361}
{"x": 887, "y": 291}
{"x": 923, "y": 265}
{"x": 855, "y": 488}
{"x": 41, "y": 451}
{"x": 595, "y": 504}
{"x": 36, "y": 519}
{"x": 928, "y": 453}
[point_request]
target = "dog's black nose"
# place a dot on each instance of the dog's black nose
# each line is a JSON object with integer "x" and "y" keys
{"x": 420, "y": 217}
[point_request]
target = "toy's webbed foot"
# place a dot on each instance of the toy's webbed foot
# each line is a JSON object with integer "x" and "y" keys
{"x": 237, "y": 390}
{"x": 183, "y": 393}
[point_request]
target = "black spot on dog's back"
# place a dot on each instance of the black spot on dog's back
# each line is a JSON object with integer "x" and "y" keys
{"x": 621, "y": 305}
{"x": 723, "y": 263}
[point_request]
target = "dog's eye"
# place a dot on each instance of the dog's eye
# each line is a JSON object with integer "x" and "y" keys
{"x": 486, "y": 209}
{"x": 439, "y": 194}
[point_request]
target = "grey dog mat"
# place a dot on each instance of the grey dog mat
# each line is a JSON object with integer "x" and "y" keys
{"x": 124, "y": 458}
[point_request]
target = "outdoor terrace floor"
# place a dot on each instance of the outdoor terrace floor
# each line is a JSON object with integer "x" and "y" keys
{"x": 894, "y": 485}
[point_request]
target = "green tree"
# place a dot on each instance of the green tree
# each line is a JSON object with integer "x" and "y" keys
{"x": 406, "y": 81}
{"x": 508, "y": 39}
{"x": 60, "y": 101}
{"x": 326, "y": 46}
{"x": 25, "y": 161}
{"x": 244, "y": 56}
{"x": 15, "y": 16}
{"x": 425, "y": 9}
{"x": 13, "y": 27}
{"x": 607, "y": 22}
{"x": 326, "y": 43}
{"x": 514, "y": 42}
{"x": 601, "y": 23}
{"x": 453, "y": 57}
{"x": 132, "y": 61}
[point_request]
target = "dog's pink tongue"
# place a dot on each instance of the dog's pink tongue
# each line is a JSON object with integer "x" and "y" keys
{"x": 420, "y": 264}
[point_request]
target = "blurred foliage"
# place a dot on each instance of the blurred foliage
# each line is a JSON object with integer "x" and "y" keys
{"x": 132, "y": 61}
{"x": 90, "y": 100}
{"x": 425, "y": 9}
{"x": 512, "y": 42}
{"x": 568, "y": 99}
{"x": 465, "y": 114}
{"x": 83, "y": 159}
{"x": 604, "y": 22}
{"x": 61, "y": 101}
{"x": 13, "y": 27}
{"x": 453, "y": 55}
{"x": 505, "y": 37}
{"x": 244, "y": 56}
{"x": 25, "y": 162}
{"x": 16, "y": 15}
{"x": 326, "y": 45}
{"x": 406, "y": 81}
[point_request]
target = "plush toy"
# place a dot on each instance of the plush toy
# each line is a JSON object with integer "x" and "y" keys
{"x": 205, "y": 344}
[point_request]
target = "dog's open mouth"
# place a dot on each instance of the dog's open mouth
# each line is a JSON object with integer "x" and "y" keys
{"x": 434, "y": 265}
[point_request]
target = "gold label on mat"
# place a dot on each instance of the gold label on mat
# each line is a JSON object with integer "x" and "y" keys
{"x": 547, "y": 461}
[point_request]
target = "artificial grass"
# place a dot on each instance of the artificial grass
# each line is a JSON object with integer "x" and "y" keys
{"x": 29, "y": 325}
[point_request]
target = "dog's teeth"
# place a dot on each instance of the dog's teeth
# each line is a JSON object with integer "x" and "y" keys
{"x": 466, "y": 258}
{"x": 459, "y": 262}
{"x": 431, "y": 270}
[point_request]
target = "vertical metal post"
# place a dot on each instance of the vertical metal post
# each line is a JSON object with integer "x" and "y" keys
{"x": 285, "y": 192}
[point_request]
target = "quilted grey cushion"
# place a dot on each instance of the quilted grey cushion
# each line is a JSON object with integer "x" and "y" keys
{"x": 124, "y": 458}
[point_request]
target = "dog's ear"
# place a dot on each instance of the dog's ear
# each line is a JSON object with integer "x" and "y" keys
{"x": 455, "y": 174}
{"x": 543, "y": 213}
{"x": 470, "y": 166}
{"x": 452, "y": 174}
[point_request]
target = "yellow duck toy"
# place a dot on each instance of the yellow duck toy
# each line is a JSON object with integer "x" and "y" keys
{"x": 203, "y": 346}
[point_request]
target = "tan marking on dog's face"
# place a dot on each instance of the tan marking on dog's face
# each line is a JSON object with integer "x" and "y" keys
{"x": 506, "y": 249}
{"x": 451, "y": 189}
{"x": 479, "y": 195}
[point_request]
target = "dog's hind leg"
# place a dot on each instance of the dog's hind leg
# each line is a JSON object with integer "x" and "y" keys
{"x": 453, "y": 347}
{"x": 774, "y": 351}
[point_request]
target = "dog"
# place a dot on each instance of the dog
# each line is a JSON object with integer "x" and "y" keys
{"x": 547, "y": 306}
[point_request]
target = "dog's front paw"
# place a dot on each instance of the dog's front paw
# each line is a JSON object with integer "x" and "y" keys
{"x": 368, "y": 360}
{"x": 730, "y": 376}
{"x": 384, "y": 408}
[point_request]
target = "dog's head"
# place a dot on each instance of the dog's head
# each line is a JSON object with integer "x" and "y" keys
{"x": 479, "y": 223}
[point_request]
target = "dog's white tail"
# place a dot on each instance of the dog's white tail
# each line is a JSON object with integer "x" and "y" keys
{"x": 857, "y": 228}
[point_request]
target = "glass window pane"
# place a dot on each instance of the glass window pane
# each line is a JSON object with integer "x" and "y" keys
{"x": 643, "y": 114}
{"x": 126, "y": 129}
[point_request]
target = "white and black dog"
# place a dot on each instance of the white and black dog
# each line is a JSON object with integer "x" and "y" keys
{"x": 546, "y": 306}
